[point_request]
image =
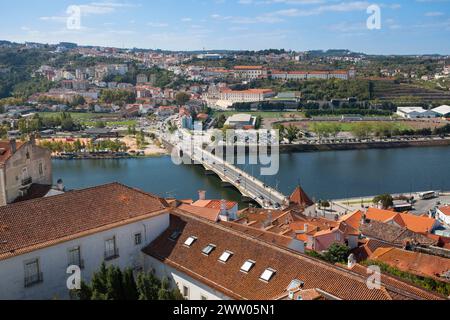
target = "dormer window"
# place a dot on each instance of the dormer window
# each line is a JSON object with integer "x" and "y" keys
{"x": 247, "y": 266}
{"x": 208, "y": 249}
{"x": 190, "y": 241}
{"x": 175, "y": 235}
{"x": 267, "y": 275}
{"x": 225, "y": 256}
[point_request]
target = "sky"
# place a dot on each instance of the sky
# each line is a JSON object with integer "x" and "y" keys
{"x": 405, "y": 26}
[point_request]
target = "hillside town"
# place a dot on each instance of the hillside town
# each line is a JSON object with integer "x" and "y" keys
{"x": 96, "y": 103}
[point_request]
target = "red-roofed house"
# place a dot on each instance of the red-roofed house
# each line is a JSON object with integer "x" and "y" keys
{"x": 444, "y": 214}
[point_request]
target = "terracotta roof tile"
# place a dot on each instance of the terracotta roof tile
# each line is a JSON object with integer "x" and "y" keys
{"x": 228, "y": 279}
{"x": 46, "y": 221}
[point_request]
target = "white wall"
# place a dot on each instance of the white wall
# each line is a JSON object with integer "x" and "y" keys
{"x": 197, "y": 289}
{"x": 444, "y": 218}
{"x": 54, "y": 260}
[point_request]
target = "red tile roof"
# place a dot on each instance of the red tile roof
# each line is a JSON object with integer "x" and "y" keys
{"x": 5, "y": 150}
{"x": 418, "y": 263}
{"x": 445, "y": 210}
{"x": 300, "y": 197}
{"x": 227, "y": 277}
{"x": 39, "y": 223}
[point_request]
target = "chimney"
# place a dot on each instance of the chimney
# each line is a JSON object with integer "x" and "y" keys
{"x": 305, "y": 227}
{"x": 13, "y": 145}
{"x": 351, "y": 262}
{"x": 202, "y": 195}
{"x": 60, "y": 185}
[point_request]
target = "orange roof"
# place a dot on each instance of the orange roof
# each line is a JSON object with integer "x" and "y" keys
{"x": 214, "y": 204}
{"x": 380, "y": 214}
{"x": 414, "y": 262}
{"x": 5, "y": 150}
{"x": 416, "y": 223}
{"x": 248, "y": 67}
{"x": 202, "y": 212}
{"x": 445, "y": 210}
{"x": 300, "y": 197}
{"x": 352, "y": 219}
{"x": 412, "y": 222}
{"x": 249, "y": 91}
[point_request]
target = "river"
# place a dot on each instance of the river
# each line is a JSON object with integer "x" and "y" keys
{"x": 324, "y": 175}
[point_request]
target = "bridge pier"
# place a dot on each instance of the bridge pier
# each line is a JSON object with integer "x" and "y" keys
{"x": 209, "y": 172}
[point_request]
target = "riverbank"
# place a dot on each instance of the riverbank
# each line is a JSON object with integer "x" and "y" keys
{"x": 363, "y": 145}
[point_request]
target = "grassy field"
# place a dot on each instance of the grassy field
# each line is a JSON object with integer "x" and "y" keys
{"x": 263, "y": 114}
{"x": 78, "y": 115}
{"x": 124, "y": 123}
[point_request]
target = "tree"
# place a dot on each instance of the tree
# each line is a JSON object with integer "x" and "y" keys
{"x": 100, "y": 124}
{"x": 113, "y": 284}
{"x": 182, "y": 98}
{"x": 337, "y": 253}
{"x": 292, "y": 133}
{"x": 385, "y": 200}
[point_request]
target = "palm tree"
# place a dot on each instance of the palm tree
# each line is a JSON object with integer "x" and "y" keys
{"x": 292, "y": 133}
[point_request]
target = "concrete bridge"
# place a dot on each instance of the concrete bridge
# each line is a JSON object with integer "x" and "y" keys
{"x": 250, "y": 187}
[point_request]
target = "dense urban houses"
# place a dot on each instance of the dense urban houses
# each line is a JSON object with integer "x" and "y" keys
{"x": 209, "y": 261}
{"x": 40, "y": 238}
{"x": 22, "y": 165}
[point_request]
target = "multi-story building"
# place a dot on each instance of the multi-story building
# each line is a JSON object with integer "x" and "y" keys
{"x": 249, "y": 72}
{"x": 310, "y": 75}
{"x": 251, "y": 95}
{"x": 40, "y": 238}
{"x": 22, "y": 165}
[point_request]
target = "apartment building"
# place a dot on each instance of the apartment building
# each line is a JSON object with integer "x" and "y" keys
{"x": 40, "y": 238}
{"x": 251, "y": 95}
{"x": 249, "y": 72}
{"x": 312, "y": 75}
{"x": 22, "y": 164}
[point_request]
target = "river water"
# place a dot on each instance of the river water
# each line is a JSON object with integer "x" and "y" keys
{"x": 324, "y": 175}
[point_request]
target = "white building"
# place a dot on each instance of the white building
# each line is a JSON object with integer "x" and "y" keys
{"x": 240, "y": 121}
{"x": 443, "y": 111}
{"x": 443, "y": 214}
{"x": 40, "y": 238}
{"x": 415, "y": 113}
{"x": 249, "y": 72}
{"x": 251, "y": 95}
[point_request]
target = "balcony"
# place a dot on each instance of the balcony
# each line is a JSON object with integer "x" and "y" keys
{"x": 34, "y": 279}
{"x": 27, "y": 182}
{"x": 111, "y": 254}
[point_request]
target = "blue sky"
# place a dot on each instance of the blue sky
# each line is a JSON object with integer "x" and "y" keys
{"x": 407, "y": 26}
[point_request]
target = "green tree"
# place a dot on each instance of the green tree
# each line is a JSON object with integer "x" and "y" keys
{"x": 182, "y": 98}
{"x": 385, "y": 200}
{"x": 292, "y": 133}
{"x": 337, "y": 253}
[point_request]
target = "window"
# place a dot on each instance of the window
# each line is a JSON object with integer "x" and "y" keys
{"x": 203, "y": 298}
{"x": 138, "y": 239}
{"x": 338, "y": 236}
{"x": 175, "y": 235}
{"x": 41, "y": 169}
{"x": 33, "y": 274}
{"x": 208, "y": 249}
{"x": 111, "y": 251}
{"x": 190, "y": 241}
{"x": 247, "y": 266}
{"x": 75, "y": 257}
{"x": 267, "y": 275}
{"x": 186, "y": 292}
{"x": 295, "y": 285}
{"x": 225, "y": 256}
